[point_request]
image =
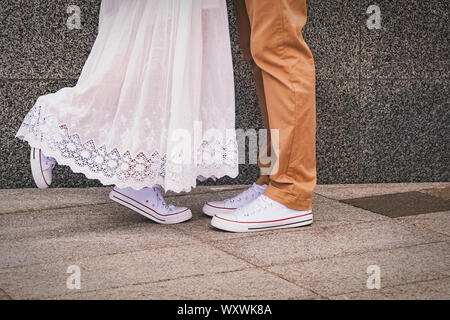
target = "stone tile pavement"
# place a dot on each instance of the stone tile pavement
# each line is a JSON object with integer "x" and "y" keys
{"x": 121, "y": 255}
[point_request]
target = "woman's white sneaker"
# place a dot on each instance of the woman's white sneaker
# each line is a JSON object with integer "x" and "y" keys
{"x": 41, "y": 168}
{"x": 217, "y": 207}
{"x": 150, "y": 203}
{"x": 262, "y": 214}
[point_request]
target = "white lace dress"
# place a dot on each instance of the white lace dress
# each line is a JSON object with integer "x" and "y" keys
{"x": 154, "y": 103}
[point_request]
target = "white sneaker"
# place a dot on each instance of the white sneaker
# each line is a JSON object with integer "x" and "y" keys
{"x": 216, "y": 207}
{"x": 262, "y": 214}
{"x": 41, "y": 168}
{"x": 150, "y": 203}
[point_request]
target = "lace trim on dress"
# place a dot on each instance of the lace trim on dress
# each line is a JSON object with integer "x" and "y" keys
{"x": 111, "y": 167}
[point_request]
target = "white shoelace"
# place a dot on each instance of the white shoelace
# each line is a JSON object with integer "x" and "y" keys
{"x": 47, "y": 163}
{"x": 261, "y": 203}
{"x": 160, "y": 199}
{"x": 253, "y": 192}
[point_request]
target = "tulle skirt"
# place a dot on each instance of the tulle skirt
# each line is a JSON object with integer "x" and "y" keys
{"x": 154, "y": 103}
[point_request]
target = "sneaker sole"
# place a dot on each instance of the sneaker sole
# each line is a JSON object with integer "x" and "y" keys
{"x": 212, "y": 211}
{"x": 149, "y": 213}
{"x": 228, "y": 225}
{"x": 36, "y": 169}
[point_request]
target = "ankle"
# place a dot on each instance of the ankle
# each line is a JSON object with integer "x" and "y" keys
{"x": 263, "y": 180}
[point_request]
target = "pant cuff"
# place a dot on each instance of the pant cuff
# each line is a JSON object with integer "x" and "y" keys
{"x": 288, "y": 199}
{"x": 263, "y": 180}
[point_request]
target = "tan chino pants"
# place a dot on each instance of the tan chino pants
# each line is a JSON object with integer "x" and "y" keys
{"x": 270, "y": 33}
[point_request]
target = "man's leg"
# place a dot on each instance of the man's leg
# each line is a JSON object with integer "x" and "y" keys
{"x": 243, "y": 26}
{"x": 288, "y": 74}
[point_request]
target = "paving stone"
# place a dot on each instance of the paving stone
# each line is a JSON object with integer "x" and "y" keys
{"x": 94, "y": 241}
{"x": 4, "y": 296}
{"x": 331, "y": 212}
{"x": 324, "y": 242}
{"x": 196, "y": 203}
{"x": 117, "y": 270}
{"x": 339, "y": 275}
{"x": 443, "y": 193}
{"x": 427, "y": 290}
{"x": 251, "y": 284}
{"x": 436, "y": 221}
{"x": 22, "y": 200}
{"x": 401, "y": 204}
{"x": 67, "y": 221}
{"x": 122, "y": 254}
{"x": 350, "y": 191}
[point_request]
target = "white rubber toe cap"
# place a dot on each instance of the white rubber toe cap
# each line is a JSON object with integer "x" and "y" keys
{"x": 216, "y": 207}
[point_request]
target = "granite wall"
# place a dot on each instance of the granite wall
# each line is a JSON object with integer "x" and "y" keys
{"x": 382, "y": 94}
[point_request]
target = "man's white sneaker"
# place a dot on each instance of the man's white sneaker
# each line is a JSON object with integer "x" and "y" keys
{"x": 216, "y": 207}
{"x": 262, "y": 214}
{"x": 41, "y": 168}
{"x": 150, "y": 203}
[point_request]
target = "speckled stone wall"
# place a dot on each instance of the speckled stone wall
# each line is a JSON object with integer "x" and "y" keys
{"x": 382, "y": 95}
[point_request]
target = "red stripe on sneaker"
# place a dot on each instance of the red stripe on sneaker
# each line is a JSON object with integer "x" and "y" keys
{"x": 163, "y": 215}
{"x": 42, "y": 172}
{"x": 220, "y": 207}
{"x": 303, "y": 215}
